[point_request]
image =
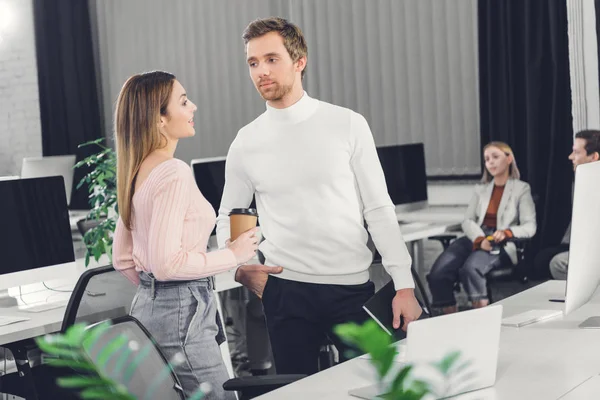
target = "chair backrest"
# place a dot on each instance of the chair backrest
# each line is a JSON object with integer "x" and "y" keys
{"x": 100, "y": 293}
{"x": 84, "y": 224}
{"x": 139, "y": 364}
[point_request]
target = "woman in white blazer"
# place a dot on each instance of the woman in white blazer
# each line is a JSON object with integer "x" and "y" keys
{"x": 501, "y": 208}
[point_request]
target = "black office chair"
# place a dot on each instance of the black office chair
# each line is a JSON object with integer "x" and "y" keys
{"x": 151, "y": 374}
{"x": 504, "y": 273}
{"x": 250, "y": 387}
{"x": 100, "y": 293}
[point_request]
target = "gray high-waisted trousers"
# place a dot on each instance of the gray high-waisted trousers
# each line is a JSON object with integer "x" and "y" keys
{"x": 182, "y": 318}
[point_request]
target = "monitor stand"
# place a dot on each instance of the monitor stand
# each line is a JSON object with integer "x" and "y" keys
{"x": 6, "y": 301}
{"x": 590, "y": 323}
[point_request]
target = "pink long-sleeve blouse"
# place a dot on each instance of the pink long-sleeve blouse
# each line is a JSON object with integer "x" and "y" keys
{"x": 171, "y": 225}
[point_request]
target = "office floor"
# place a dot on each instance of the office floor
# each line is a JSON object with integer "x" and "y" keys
{"x": 432, "y": 249}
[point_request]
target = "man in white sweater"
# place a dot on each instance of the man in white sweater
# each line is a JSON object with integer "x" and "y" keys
{"x": 314, "y": 171}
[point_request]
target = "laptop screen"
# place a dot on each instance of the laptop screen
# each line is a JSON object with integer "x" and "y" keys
{"x": 35, "y": 230}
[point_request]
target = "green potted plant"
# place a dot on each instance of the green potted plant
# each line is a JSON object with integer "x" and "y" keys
{"x": 101, "y": 182}
{"x": 400, "y": 384}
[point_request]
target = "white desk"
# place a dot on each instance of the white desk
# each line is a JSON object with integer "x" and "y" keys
{"x": 49, "y": 321}
{"x": 437, "y": 214}
{"x": 590, "y": 389}
{"x": 415, "y": 233}
{"x": 418, "y": 225}
{"x": 545, "y": 360}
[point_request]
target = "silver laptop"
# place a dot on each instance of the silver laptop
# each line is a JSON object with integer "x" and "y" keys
{"x": 475, "y": 334}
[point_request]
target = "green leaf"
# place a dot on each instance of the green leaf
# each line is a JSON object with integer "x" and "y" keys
{"x": 97, "y": 252}
{"x": 97, "y": 393}
{"x": 348, "y": 331}
{"x": 447, "y": 362}
{"x": 76, "y": 365}
{"x": 137, "y": 361}
{"x": 105, "y": 393}
{"x": 420, "y": 388}
{"x": 383, "y": 362}
{"x": 56, "y": 351}
{"x": 93, "y": 334}
{"x": 399, "y": 380}
{"x": 76, "y": 333}
{"x": 74, "y": 382}
{"x": 109, "y": 350}
{"x": 95, "y": 141}
{"x": 121, "y": 361}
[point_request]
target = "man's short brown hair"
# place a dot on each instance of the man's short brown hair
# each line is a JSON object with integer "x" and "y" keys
{"x": 293, "y": 39}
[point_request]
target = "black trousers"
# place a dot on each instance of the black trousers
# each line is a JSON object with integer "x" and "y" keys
{"x": 541, "y": 263}
{"x": 301, "y": 315}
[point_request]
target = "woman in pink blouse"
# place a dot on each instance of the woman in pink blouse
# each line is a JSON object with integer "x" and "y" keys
{"x": 163, "y": 230}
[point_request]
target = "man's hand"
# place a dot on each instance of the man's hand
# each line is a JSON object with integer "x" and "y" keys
{"x": 406, "y": 305}
{"x": 255, "y": 276}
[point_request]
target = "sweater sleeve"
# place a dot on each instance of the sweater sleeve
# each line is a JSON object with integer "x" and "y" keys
{"x": 477, "y": 242}
{"x": 237, "y": 192}
{"x": 469, "y": 225}
{"x": 378, "y": 210}
{"x": 166, "y": 257}
{"x": 122, "y": 253}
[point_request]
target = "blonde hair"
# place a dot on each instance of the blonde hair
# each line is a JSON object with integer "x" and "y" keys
{"x": 141, "y": 102}
{"x": 513, "y": 170}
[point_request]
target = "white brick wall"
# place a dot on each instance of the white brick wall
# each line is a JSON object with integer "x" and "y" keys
{"x": 20, "y": 129}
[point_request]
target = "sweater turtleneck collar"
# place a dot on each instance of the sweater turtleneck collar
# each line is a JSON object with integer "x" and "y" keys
{"x": 297, "y": 112}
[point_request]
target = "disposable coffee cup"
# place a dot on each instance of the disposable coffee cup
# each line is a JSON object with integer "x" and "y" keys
{"x": 241, "y": 220}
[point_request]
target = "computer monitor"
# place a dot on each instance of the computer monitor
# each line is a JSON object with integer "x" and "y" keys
{"x": 583, "y": 275}
{"x": 405, "y": 175}
{"x": 209, "y": 174}
{"x": 35, "y": 234}
{"x": 38, "y": 167}
{"x": 210, "y": 178}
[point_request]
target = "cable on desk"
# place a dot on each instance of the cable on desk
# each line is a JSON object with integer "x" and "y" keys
{"x": 56, "y": 290}
{"x": 21, "y": 296}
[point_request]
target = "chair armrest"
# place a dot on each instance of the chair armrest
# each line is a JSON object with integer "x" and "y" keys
{"x": 20, "y": 348}
{"x": 520, "y": 242}
{"x": 84, "y": 224}
{"x": 256, "y": 385}
{"x": 521, "y": 270}
{"x": 444, "y": 239}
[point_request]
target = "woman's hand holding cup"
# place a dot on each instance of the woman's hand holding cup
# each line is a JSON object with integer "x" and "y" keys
{"x": 245, "y": 246}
